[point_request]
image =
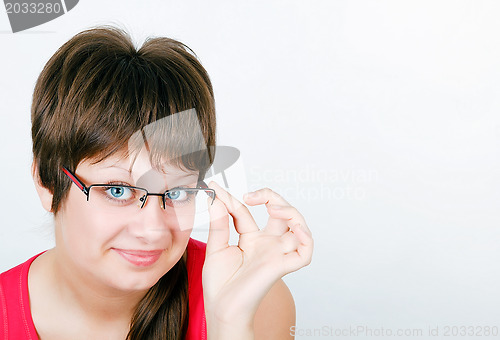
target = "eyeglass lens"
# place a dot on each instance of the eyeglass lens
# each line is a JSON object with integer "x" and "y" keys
{"x": 180, "y": 201}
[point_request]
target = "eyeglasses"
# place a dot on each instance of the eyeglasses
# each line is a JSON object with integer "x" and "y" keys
{"x": 124, "y": 198}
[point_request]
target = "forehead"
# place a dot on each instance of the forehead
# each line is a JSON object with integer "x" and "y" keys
{"x": 139, "y": 169}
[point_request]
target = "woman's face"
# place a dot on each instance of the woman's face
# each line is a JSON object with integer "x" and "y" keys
{"x": 122, "y": 249}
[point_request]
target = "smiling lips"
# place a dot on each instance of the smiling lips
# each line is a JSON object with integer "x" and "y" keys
{"x": 140, "y": 258}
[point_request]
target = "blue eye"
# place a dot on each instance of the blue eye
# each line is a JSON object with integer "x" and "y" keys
{"x": 176, "y": 195}
{"x": 173, "y": 195}
{"x": 116, "y": 192}
{"x": 121, "y": 193}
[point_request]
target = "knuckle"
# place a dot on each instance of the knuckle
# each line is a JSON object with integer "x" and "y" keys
{"x": 274, "y": 194}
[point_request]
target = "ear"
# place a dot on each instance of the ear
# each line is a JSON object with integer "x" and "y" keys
{"x": 44, "y": 193}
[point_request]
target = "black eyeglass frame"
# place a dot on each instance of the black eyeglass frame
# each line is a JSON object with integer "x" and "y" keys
{"x": 202, "y": 186}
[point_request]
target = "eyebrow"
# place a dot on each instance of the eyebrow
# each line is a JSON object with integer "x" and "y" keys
{"x": 183, "y": 174}
{"x": 118, "y": 167}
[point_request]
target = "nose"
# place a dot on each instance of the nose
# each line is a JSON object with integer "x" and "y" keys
{"x": 151, "y": 223}
{"x": 144, "y": 199}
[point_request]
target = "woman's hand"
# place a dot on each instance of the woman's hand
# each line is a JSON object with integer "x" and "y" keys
{"x": 236, "y": 278}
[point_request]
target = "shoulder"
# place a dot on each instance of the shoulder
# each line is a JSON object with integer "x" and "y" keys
{"x": 12, "y": 282}
{"x": 276, "y": 314}
{"x": 15, "y": 314}
{"x": 10, "y": 293}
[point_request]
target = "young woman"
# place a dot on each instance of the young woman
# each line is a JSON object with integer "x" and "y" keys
{"x": 122, "y": 139}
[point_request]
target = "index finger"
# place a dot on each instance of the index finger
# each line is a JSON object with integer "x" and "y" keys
{"x": 242, "y": 218}
{"x": 268, "y": 197}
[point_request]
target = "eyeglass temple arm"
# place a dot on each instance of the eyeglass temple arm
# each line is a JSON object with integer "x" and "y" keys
{"x": 75, "y": 180}
{"x": 203, "y": 185}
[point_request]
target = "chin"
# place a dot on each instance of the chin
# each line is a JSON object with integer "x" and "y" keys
{"x": 133, "y": 282}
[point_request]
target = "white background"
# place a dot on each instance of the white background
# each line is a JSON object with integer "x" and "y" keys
{"x": 379, "y": 120}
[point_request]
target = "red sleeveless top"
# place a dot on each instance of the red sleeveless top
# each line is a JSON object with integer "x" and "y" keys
{"x": 15, "y": 314}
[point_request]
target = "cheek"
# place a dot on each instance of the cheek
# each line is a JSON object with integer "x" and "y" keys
{"x": 181, "y": 223}
{"x": 83, "y": 229}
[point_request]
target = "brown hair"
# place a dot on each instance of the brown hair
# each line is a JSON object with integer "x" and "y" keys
{"x": 92, "y": 96}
